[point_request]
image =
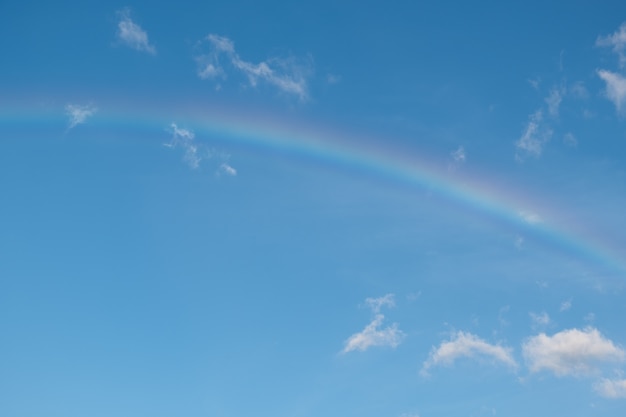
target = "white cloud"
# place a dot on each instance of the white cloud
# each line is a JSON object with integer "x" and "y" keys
{"x": 288, "y": 75}
{"x": 611, "y": 388}
{"x": 184, "y": 138}
{"x": 534, "y": 137}
{"x": 377, "y": 303}
{"x": 540, "y": 320}
{"x": 615, "y": 88}
{"x": 374, "y": 335}
{"x": 617, "y": 41}
{"x": 467, "y": 345}
{"x": 78, "y": 114}
{"x": 570, "y": 352}
{"x": 228, "y": 170}
{"x": 554, "y": 101}
{"x": 131, "y": 34}
{"x": 578, "y": 90}
{"x": 530, "y": 217}
{"x": 458, "y": 155}
{"x": 565, "y": 305}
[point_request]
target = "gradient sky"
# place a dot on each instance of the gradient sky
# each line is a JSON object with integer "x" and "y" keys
{"x": 295, "y": 209}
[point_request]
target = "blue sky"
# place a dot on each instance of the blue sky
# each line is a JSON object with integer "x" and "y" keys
{"x": 296, "y": 209}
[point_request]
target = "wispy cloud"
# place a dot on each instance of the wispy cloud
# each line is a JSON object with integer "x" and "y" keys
{"x": 530, "y": 217}
{"x": 377, "y": 303}
{"x": 374, "y": 335}
{"x": 565, "y": 305}
{"x": 617, "y": 42}
{"x": 535, "y": 136}
{"x": 228, "y": 170}
{"x": 615, "y": 88}
{"x": 78, "y": 114}
{"x": 131, "y": 34}
{"x": 570, "y": 352}
{"x": 539, "y": 320}
{"x": 611, "y": 388}
{"x": 289, "y": 75}
{"x": 467, "y": 345}
{"x": 184, "y": 138}
{"x": 554, "y": 99}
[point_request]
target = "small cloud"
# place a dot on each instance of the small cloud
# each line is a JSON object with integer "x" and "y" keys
{"x": 377, "y": 303}
{"x": 539, "y": 320}
{"x": 615, "y": 88}
{"x": 570, "y": 139}
{"x": 287, "y": 74}
{"x": 554, "y": 101}
{"x": 589, "y": 318}
{"x": 333, "y": 79}
{"x": 228, "y": 170}
{"x": 374, "y": 335}
{"x": 467, "y": 345}
{"x": 78, "y": 114}
{"x": 530, "y": 217}
{"x": 617, "y": 42}
{"x": 534, "y": 137}
{"x": 611, "y": 388}
{"x": 570, "y": 352}
{"x": 184, "y": 138}
{"x": 565, "y": 305}
{"x": 534, "y": 82}
{"x": 578, "y": 90}
{"x": 458, "y": 155}
{"x": 414, "y": 296}
{"x": 132, "y": 35}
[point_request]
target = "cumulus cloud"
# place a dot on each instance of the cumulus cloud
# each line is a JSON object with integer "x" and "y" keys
{"x": 570, "y": 352}
{"x": 287, "y": 74}
{"x": 617, "y": 42}
{"x": 78, "y": 114}
{"x": 377, "y": 303}
{"x": 131, "y": 34}
{"x": 611, "y": 388}
{"x": 467, "y": 345}
{"x": 535, "y": 136}
{"x": 615, "y": 88}
{"x": 374, "y": 335}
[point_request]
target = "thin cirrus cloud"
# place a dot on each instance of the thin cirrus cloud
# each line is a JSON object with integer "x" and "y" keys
{"x": 374, "y": 334}
{"x": 617, "y": 42}
{"x": 78, "y": 114}
{"x": 287, "y": 75}
{"x": 132, "y": 35}
{"x": 615, "y": 90}
{"x": 570, "y": 352}
{"x": 467, "y": 345}
{"x": 536, "y": 135}
{"x": 611, "y": 388}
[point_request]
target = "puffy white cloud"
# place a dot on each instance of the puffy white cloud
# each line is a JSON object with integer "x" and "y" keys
{"x": 374, "y": 335}
{"x": 377, "y": 303}
{"x": 617, "y": 42}
{"x": 78, "y": 114}
{"x": 534, "y": 137}
{"x": 467, "y": 345}
{"x": 615, "y": 88}
{"x": 570, "y": 352}
{"x": 288, "y": 75}
{"x": 611, "y": 388}
{"x": 131, "y": 34}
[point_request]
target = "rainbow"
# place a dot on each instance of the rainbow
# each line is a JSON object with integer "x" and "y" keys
{"x": 355, "y": 154}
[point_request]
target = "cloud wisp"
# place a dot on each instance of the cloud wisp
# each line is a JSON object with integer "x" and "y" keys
{"x": 615, "y": 90}
{"x": 131, "y": 34}
{"x": 611, "y": 388}
{"x": 467, "y": 345}
{"x": 374, "y": 334}
{"x": 78, "y": 114}
{"x": 288, "y": 75}
{"x": 570, "y": 352}
{"x": 617, "y": 42}
{"x": 536, "y": 135}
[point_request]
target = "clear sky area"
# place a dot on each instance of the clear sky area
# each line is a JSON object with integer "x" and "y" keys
{"x": 312, "y": 208}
